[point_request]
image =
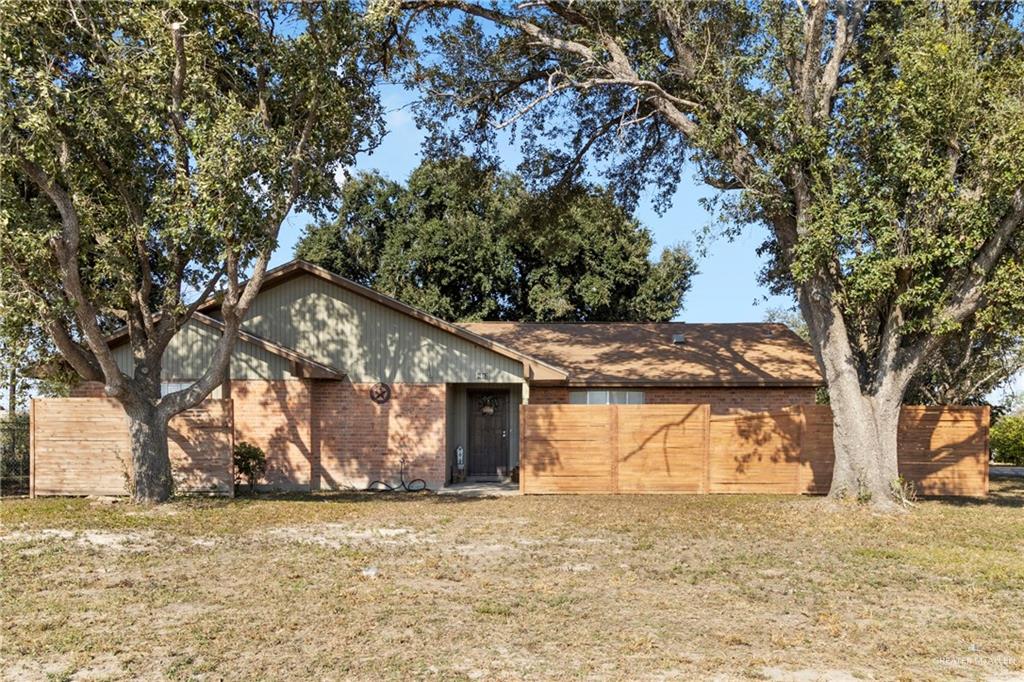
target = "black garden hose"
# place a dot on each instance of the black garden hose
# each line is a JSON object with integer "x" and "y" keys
{"x": 414, "y": 486}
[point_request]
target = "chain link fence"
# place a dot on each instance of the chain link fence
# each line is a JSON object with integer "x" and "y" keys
{"x": 14, "y": 455}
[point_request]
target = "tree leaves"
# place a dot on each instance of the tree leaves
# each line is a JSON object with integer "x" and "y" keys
{"x": 183, "y": 136}
{"x": 465, "y": 242}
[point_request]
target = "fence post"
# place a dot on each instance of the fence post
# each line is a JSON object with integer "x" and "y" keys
{"x": 706, "y": 478}
{"x": 522, "y": 448}
{"x": 231, "y": 446}
{"x": 613, "y": 445}
{"x": 801, "y": 487}
{"x": 32, "y": 448}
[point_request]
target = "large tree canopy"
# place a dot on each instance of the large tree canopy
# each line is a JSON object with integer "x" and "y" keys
{"x": 878, "y": 142}
{"x": 148, "y": 156}
{"x": 466, "y": 242}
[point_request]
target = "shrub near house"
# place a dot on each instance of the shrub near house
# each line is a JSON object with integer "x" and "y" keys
{"x": 1007, "y": 440}
{"x": 250, "y": 464}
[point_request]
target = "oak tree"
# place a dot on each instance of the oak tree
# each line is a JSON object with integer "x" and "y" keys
{"x": 879, "y": 143}
{"x": 465, "y": 241}
{"x": 148, "y": 156}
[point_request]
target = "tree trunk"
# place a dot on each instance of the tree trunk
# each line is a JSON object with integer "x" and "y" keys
{"x": 151, "y": 465}
{"x": 865, "y": 424}
{"x": 12, "y": 393}
{"x": 864, "y": 434}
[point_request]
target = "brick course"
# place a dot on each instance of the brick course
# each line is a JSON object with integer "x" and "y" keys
{"x": 275, "y": 416}
{"x": 722, "y": 400}
{"x": 358, "y": 441}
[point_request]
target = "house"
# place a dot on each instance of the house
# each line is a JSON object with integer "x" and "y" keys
{"x": 339, "y": 384}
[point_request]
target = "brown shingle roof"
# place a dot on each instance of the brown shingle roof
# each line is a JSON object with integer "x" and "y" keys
{"x": 741, "y": 354}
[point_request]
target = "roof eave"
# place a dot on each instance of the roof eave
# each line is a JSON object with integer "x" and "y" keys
{"x": 683, "y": 383}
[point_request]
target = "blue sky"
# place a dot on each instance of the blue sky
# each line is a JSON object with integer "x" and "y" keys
{"x": 726, "y": 290}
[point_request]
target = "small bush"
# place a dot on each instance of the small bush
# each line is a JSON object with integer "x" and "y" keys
{"x": 250, "y": 464}
{"x": 1007, "y": 440}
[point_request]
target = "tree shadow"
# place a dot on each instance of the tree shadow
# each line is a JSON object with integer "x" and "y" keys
{"x": 570, "y": 448}
{"x": 1002, "y": 493}
{"x": 200, "y": 448}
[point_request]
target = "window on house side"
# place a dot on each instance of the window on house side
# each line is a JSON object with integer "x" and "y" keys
{"x": 595, "y": 397}
{"x": 173, "y": 386}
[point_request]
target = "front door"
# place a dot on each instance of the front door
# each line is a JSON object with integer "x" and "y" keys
{"x": 488, "y": 432}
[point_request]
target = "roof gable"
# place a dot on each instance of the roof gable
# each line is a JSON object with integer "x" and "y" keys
{"x": 300, "y": 365}
{"x": 534, "y": 368}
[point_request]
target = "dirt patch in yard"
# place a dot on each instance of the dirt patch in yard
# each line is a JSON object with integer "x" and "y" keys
{"x": 660, "y": 587}
{"x": 36, "y": 540}
{"x": 335, "y": 536}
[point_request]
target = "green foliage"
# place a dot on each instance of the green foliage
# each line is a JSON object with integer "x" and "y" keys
{"x": 1006, "y": 439}
{"x": 465, "y": 242}
{"x": 967, "y": 368}
{"x": 28, "y": 364}
{"x": 877, "y": 143}
{"x": 791, "y": 318}
{"x": 250, "y": 464}
{"x": 920, "y": 169}
{"x": 879, "y": 147}
{"x": 179, "y": 158}
{"x": 149, "y": 153}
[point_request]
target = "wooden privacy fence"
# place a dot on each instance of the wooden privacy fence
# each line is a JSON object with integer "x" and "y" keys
{"x": 80, "y": 446}
{"x": 685, "y": 448}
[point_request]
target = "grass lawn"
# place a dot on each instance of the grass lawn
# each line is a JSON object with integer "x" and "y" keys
{"x": 598, "y": 587}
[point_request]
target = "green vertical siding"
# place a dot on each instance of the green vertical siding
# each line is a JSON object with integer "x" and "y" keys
{"x": 369, "y": 341}
{"x": 191, "y": 350}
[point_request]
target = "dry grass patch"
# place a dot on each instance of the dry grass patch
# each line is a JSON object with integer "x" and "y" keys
{"x": 372, "y": 587}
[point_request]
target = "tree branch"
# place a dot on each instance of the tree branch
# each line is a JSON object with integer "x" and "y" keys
{"x": 177, "y": 96}
{"x": 66, "y": 249}
{"x": 846, "y": 30}
{"x": 530, "y": 29}
{"x": 966, "y": 297}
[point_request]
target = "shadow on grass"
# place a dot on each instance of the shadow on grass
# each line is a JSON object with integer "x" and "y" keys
{"x": 1003, "y": 492}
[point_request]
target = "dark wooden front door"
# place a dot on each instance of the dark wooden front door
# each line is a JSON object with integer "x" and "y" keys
{"x": 488, "y": 433}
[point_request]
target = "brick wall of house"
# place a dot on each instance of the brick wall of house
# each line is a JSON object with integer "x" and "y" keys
{"x": 87, "y": 389}
{"x": 722, "y": 400}
{"x": 330, "y": 435}
{"x": 275, "y": 416}
{"x": 358, "y": 441}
